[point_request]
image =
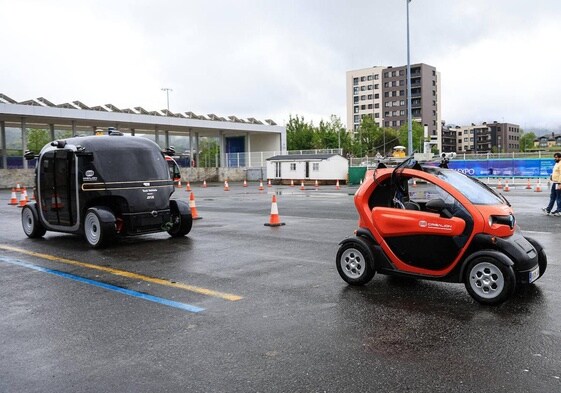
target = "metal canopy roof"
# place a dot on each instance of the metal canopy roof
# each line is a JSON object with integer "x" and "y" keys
{"x": 43, "y": 111}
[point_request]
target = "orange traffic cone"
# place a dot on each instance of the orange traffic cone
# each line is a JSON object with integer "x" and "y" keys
{"x": 188, "y": 186}
{"x": 538, "y": 187}
{"x": 22, "y": 200}
{"x": 274, "y": 220}
{"x": 178, "y": 185}
{"x": 500, "y": 185}
{"x": 204, "y": 183}
{"x": 269, "y": 183}
{"x": 302, "y": 186}
{"x": 337, "y": 187}
{"x": 13, "y": 198}
{"x": 244, "y": 182}
{"x": 193, "y": 206}
{"x": 261, "y": 185}
{"x": 506, "y": 187}
{"x": 226, "y": 186}
{"x": 24, "y": 194}
{"x": 528, "y": 186}
{"x": 291, "y": 183}
{"x": 18, "y": 188}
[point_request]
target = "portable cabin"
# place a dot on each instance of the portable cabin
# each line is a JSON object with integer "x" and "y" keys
{"x": 325, "y": 168}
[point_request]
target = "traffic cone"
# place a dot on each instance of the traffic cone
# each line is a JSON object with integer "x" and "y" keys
{"x": 226, "y": 186}
{"x": 269, "y": 183}
{"x": 188, "y": 186}
{"x": 18, "y": 188}
{"x": 14, "y": 198}
{"x": 538, "y": 187}
{"x": 274, "y": 219}
{"x": 261, "y": 185}
{"x": 337, "y": 187}
{"x": 506, "y": 187}
{"x": 178, "y": 185}
{"x": 291, "y": 183}
{"x": 24, "y": 194}
{"x": 22, "y": 200}
{"x": 528, "y": 186}
{"x": 244, "y": 182}
{"x": 204, "y": 183}
{"x": 193, "y": 206}
{"x": 302, "y": 186}
{"x": 500, "y": 185}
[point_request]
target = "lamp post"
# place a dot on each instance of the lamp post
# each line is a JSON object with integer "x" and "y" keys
{"x": 409, "y": 114}
{"x": 167, "y": 90}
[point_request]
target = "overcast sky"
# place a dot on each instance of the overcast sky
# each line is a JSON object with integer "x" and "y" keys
{"x": 499, "y": 59}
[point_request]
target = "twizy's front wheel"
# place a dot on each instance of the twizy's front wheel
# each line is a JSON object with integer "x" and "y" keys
{"x": 181, "y": 219}
{"x": 489, "y": 281}
{"x": 99, "y": 233}
{"x": 30, "y": 223}
{"x": 354, "y": 262}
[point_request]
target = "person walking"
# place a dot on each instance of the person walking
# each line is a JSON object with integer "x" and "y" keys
{"x": 555, "y": 195}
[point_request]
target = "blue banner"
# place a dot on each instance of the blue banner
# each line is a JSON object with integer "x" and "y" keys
{"x": 538, "y": 167}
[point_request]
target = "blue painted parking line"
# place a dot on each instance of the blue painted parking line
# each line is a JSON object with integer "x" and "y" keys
{"x": 155, "y": 299}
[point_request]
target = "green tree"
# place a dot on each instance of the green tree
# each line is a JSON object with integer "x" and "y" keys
{"x": 209, "y": 151}
{"x": 299, "y": 134}
{"x": 418, "y": 136}
{"x": 527, "y": 141}
{"x": 371, "y": 139}
{"x": 36, "y": 139}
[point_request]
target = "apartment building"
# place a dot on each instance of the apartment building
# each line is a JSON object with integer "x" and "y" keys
{"x": 381, "y": 92}
{"x": 488, "y": 137}
{"x": 449, "y": 144}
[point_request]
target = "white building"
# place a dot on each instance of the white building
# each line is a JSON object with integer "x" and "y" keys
{"x": 325, "y": 168}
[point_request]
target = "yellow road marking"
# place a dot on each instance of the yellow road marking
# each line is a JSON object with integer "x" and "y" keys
{"x": 124, "y": 273}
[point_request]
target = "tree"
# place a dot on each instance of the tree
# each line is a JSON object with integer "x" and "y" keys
{"x": 36, "y": 139}
{"x": 527, "y": 140}
{"x": 299, "y": 134}
{"x": 209, "y": 151}
{"x": 418, "y": 136}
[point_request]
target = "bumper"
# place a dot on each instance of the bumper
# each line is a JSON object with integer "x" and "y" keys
{"x": 146, "y": 222}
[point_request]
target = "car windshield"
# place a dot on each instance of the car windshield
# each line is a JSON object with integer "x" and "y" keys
{"x": 138, "y": 164}
{"x": 477, "y": 192}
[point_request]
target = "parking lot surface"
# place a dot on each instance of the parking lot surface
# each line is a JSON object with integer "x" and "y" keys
{"x": 237, "y": 306}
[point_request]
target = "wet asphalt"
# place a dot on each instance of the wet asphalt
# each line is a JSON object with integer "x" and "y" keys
{"x": 296, "y": 326}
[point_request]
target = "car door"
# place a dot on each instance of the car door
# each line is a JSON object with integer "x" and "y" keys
{"x": 417, "y": 238}
{"x": 57, "y": 188}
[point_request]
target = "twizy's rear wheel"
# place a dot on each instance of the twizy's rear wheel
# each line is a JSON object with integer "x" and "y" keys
{"x": 354, "y": 262}
{"x": 98, "y": 233}
{"x": 31, "y": 224}
{"x": 489, "y": 281}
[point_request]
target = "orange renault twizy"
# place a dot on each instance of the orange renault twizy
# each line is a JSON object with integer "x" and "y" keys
{"x": 435, "y": 223}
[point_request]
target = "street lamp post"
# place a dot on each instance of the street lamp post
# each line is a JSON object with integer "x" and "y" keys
{"x": 167, "y": 90}
{"x": 409, "y": 114}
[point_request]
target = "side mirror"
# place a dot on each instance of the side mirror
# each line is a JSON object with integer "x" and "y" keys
{"x": 438, "y": 206}
{"x": 29, "y": 155}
